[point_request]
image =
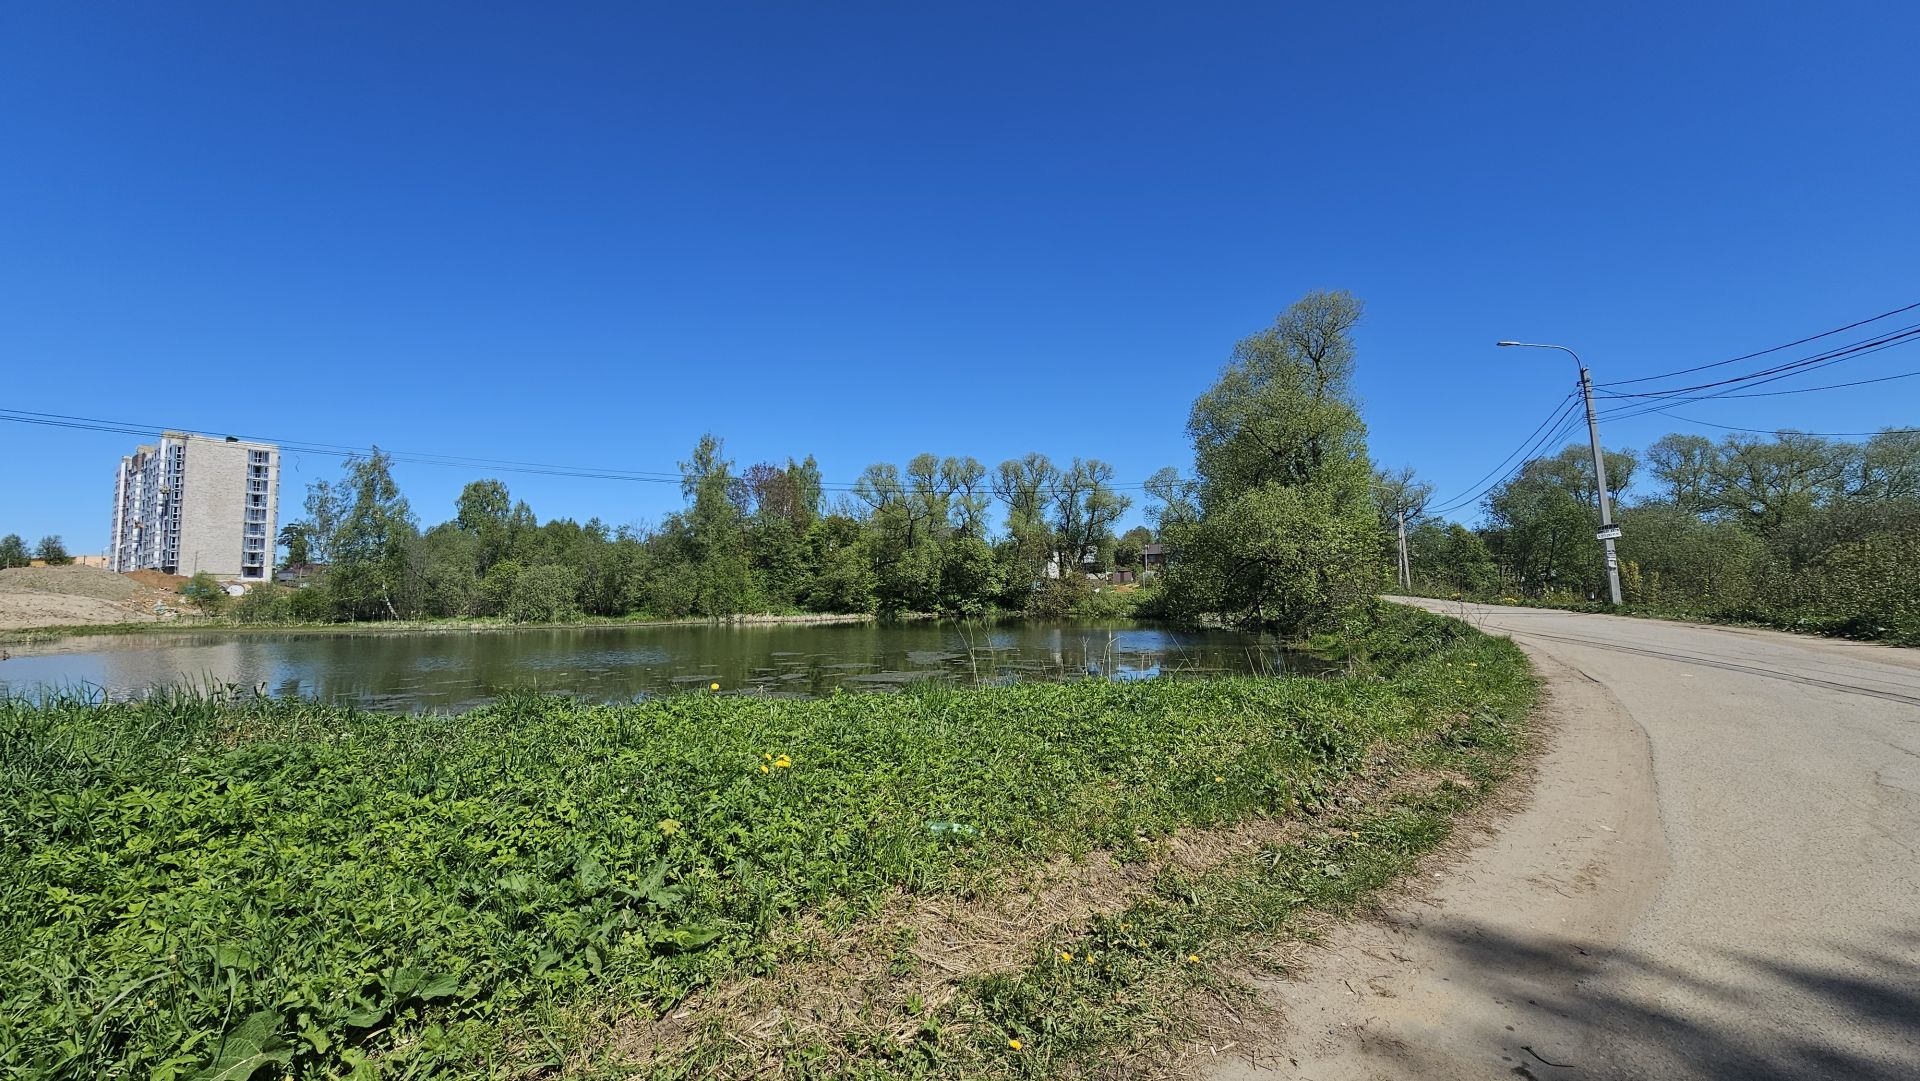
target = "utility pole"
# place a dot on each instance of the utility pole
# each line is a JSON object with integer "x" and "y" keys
{"x": 1406, "y": 568}
{"x": 1608, "y": 531}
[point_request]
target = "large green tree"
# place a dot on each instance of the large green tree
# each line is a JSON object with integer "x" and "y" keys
{"x": 371, "y": 544}
{"x": 1285, "y": 534}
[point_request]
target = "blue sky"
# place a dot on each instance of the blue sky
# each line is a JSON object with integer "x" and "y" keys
{"x": 585, "y": 234}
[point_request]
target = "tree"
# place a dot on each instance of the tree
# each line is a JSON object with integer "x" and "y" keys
{"x": 13, "y": 551}
{"x": 1769, "y": 483}
{"x": 710, "y": 534}
{"x": 485, "y": 512}
{"x": 370, "y": 544}
{"x": 1176, "y": 502}
{"x": 297, "y": 539}
{"x": 543, "y": 594}
{"x": 966, "y": 479}
{"x": 1129, "y": 550}
{"x": 1283, "y": 532}
{"x": 204, "y": 592}
{"x": 1283, "y": 411}
{"x": 1685, "y": 465}
{"x": 1085, "y": 508}
{"x": 52, "y": 551}
{"x": 1450, "y": 558}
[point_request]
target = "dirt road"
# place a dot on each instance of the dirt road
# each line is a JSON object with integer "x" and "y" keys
{"x": 1715, "y": 875}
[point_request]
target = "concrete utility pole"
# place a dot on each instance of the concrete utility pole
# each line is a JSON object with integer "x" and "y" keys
{"x": 1608, "y": 531}
{"x": 1406, "y": 568}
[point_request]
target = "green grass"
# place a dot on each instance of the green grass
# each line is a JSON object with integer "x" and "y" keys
{"x": 197, "y": 882}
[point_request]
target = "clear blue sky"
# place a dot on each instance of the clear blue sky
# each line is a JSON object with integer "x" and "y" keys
{"x": 585, "y": 234}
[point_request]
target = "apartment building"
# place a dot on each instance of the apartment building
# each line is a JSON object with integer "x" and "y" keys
{"x": 190, "y": 504}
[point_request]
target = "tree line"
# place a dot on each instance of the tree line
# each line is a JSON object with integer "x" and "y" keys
{"x": 917, "y": 537}
{"x": 51, "y": 550}
{"x": 1275, "y": 526}
{"x": 1791, "y": 529}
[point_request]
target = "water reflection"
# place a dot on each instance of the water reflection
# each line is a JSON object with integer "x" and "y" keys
{"x": 456, "y": 669}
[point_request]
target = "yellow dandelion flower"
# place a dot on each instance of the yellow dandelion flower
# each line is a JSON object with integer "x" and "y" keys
{"x": 1015, "y": 1044}
{"x": 763, "y": 769}
{"x": 669, "y": 826}
{"x": 782, "y": 762}
{"x": 1065, "y": 956}
{"x": 768, "y": 757}
{"x": 1217, "y": 779}
{"x": 713, "y": 686}
{"x": 1194, "y": 958}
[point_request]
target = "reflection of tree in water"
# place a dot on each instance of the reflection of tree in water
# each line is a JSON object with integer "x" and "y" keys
{"x": 454, "y": 669}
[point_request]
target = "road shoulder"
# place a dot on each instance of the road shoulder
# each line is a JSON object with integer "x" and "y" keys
{"x": 1560, "y": 882}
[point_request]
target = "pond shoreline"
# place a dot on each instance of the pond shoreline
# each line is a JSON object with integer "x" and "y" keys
{"x": 395, "y": 666}
{"x": 33, "y": 636}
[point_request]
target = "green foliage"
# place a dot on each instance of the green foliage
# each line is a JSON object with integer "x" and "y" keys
{"x": 1798, "y": 531}
{"x": 1279, "y": 529}
{"x": 218, "y": 883}
{"x": 371, "y": 542}
{"x": 52, "y": 551}
{"x": 205, "y": 592}
{"x": 13, "y": 552}
{"x": 265, "y": 603}
{"x": 542, "y": 594}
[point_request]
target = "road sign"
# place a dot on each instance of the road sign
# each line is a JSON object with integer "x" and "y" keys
{"x": 1612, "y": 532}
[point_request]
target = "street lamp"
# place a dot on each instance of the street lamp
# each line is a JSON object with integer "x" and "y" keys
{"x": 1608, "y": 531}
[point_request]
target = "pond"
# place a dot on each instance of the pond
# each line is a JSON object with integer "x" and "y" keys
{"x": 455, "y": 669}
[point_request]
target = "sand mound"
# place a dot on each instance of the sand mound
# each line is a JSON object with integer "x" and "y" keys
{"x": 70, "y": 596}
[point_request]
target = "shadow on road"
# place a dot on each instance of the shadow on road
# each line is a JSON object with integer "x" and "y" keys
{"x": 1845, "y": 1010}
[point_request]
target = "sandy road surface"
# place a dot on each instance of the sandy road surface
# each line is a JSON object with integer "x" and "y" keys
{"x": 1715, "y": 875}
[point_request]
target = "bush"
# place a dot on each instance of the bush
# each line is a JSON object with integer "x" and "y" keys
{"x": 205, "y": 592}
{"x": 543, "y": 594}
{"x": 265, "y": 603}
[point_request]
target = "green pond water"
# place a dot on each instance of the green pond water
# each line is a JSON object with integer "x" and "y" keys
{"x": 438, "y": 670}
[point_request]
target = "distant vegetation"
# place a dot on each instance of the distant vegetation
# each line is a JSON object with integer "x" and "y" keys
{"x": 1793, "y": 530}
{"x": 14, "y": 552}
{"x": 1275, "y": 529}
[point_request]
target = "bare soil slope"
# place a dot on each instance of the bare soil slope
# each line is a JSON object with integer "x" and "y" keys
{"x": 73, "y": 596}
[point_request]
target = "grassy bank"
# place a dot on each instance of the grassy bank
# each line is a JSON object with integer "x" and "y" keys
{"x": 188, "y": 882}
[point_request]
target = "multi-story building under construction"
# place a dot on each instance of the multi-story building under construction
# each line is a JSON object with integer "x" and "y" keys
{"x": 192, "y": 504}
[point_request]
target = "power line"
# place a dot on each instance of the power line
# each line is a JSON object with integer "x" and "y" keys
{"x": 1794, "y": 431}
{"x": 293, "y": 446}
{"x": 1796, "y": 390}
{"x": 1567, "y": 417}
{"x": 1763, "y": 352}
{"x": 1552, "y": 417}
{"x": 1864, "y": 347}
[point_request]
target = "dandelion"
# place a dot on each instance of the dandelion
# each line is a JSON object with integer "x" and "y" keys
{"x": 1015, "y": 1044}
{"x": 768, "y": 757}
{"x": 1217, "y": 779}
{"x": 1193, "y": 958}
{"x": 1065, "y": 956}
{"x": 782, "y": 762}
{"x": 713, "y": 686}
{"x": 669, "y": 826}
{"x": 763, "y": 769}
